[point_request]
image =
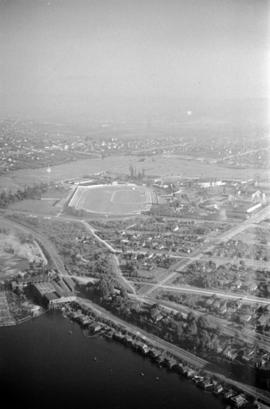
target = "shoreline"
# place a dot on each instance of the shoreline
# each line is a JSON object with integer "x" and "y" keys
{"x": 94, "y": 323}
{"x": 156, "y": 165}
{"x": 195, "y": 370}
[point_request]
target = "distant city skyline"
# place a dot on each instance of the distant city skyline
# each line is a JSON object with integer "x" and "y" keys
{"x": 108, "y": 58}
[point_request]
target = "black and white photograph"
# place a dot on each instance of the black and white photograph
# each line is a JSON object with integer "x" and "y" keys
{"x": 135, "y": 204}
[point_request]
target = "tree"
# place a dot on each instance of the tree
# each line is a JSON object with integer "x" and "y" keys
{"x": 180, "y": 330}
{"x": 105, "y": 287}
{"x": 154, "y": 310}
{"x": 204, "y": 339}
{"x": 190, "y": 317}
{"x": 192, "y": 329}
{"x": 3, "y": 199}
{"x": 204, "y": 322}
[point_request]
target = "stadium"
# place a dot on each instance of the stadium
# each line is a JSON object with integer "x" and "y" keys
{"x": 113, "y": 200}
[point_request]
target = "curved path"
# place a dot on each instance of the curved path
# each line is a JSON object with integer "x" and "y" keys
{"x": 115, "y": 262}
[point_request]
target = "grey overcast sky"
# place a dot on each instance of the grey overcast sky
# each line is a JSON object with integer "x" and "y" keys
{"x": 81, "y": 55}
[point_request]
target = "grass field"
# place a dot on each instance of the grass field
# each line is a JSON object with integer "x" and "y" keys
{"x": 35, "y": 206}
{"x": 112, "y": 199}
{"x": 158, "y": 165}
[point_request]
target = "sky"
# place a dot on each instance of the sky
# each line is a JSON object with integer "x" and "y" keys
{"x": 106, "y": 58}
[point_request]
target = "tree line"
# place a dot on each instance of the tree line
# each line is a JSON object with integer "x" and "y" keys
{"x": 28, "y": 192}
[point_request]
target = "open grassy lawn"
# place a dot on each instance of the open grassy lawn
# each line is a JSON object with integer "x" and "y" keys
{"x": 35, "y": 206}
{"x": 156, "y": 274}
{"x": 111, "y": 199}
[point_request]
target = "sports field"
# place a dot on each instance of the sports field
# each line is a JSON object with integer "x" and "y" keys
{"x": 112, "y": 199}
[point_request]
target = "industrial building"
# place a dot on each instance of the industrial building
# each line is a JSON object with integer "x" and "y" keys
{"x": 53, "y": 293}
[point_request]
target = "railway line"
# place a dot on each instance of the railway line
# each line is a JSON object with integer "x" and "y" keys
{"x": 42, "y": 240}
{"x": 178, "y": 352}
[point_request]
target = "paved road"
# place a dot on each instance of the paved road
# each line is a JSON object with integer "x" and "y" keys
{"x": 256, "y": 264}
{"x": 154, "y": 340}
{"x": 176, "y": 351}
{"x": 248, "y": 334}
{"x": 256, "y": 218}
{"x": 90, "y": 229}
{"x": 199, "y": 220}
{"x": 54, "y": 256}
{"x": 117, "y": 271}
{"x": 182, "y": 354}
{"x": 218, "y": 293}
{"x": 99, "y": 239}
{"x": 205, "y": 291}
{"x": 199, "y": 253}
{"x": 179, "y": 266}
{"x": 115, "y": 262}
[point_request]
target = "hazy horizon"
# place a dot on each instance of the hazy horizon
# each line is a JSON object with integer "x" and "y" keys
{"x": 122, "y": 59}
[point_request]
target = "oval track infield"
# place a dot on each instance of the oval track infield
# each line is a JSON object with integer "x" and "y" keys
{"x": 113, "y": 199}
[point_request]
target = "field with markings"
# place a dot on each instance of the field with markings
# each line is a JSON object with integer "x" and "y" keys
{"x": 112, "y": 199}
